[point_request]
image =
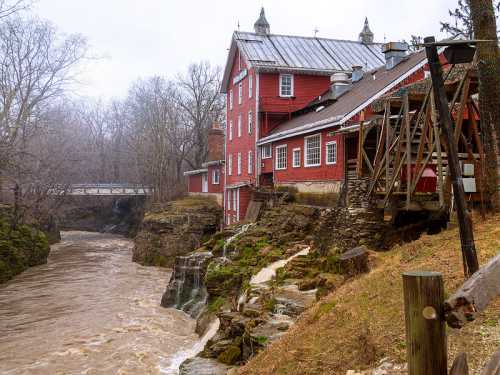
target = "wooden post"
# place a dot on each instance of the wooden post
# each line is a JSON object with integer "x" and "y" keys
{"x": 425, "y": 328}
{"x": 408, "y": 149}
{"x": 463, "y": 215}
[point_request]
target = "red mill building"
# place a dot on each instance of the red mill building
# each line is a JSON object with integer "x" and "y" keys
{"x": 287, "y": 96}
{"x": 209, "y": 181}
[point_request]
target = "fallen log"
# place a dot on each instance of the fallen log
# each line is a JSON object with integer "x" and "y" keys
{"x": 493, "y": 365}
{"x": 474, "y": 295}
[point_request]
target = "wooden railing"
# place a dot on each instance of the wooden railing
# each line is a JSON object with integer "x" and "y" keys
{"x": 427, "y": 313}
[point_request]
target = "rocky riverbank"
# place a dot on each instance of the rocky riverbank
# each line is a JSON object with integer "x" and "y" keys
{"x": 21, "y": 246}
{"x": 256, "y": 279}
{"x": 175, "y": 229}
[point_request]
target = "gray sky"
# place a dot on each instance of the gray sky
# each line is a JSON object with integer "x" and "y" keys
{"x": 140, "y": 38}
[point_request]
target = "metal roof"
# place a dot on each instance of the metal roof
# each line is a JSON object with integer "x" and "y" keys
{"x": 297, "y": 53}
{"x": 373, "y": 85}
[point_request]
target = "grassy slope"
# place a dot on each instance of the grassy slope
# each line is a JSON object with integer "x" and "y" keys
{"x": 363, "y": 321}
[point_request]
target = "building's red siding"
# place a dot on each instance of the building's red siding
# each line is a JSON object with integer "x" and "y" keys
{"x": 194, "y": 183}
{"x": 215, "y": 188}
{"x": 246, "y": 142}
{"x": 323, "y": 172}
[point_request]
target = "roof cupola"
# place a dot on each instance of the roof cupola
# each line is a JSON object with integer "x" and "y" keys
{"x": 261, "y": 26}
{"x": 366, "y": 35}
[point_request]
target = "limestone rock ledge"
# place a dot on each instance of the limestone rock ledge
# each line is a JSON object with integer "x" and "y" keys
{"x": 175, "y": 229}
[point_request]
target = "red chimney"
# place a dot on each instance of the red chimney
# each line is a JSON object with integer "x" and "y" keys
{"x": 215, "y": 143}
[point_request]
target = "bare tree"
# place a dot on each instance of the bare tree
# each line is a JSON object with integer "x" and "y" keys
{"x": 461, "y": 25}
{"x": 8, "y": 8}
{"x": 198, "y": 94}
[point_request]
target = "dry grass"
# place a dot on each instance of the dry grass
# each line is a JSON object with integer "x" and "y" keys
{"x": 363, "y": 321}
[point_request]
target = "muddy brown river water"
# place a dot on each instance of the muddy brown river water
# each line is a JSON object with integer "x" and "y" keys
{"x": 90, "y": 310}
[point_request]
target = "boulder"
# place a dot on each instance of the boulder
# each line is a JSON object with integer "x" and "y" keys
{"x": 354, "y": 261}
{"x": 203, "y": 366}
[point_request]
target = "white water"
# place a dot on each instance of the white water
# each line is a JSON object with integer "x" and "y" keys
{"x": 180, "y": 357}
{"x": 242, "y": 230}
{"x": 267, "y": 273}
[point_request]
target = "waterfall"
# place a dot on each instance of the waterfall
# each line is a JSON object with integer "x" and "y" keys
{"x": 190, "y": 353}
{"x": 267, "y": 273}
{"x": 242, "y": 230}
{"x": 185, "y": 290}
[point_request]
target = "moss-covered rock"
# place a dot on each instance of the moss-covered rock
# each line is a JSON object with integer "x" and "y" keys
{"x": 174, "y": 229}
{"x": 20, "y": 247}
{"x": 230, "y": 356}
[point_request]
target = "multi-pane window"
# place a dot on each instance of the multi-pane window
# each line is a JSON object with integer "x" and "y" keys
{"x": 281, "y": 157}
{"x": 235, "y": 203}
{"x": 230, "y": 165}
{"x": 286, "y": 85}
{"x": 266, "y": 151}
{"x": 296, "y": 157}
{"x": 312, "y": 150}
{"x": 240, "y": 92}
{"x": 231, "y": 130}
{"x": 239, "y": 125}
{"x": 250, "y": 86}
{"x": 229, "y": 199}
{"x": 231, "y": 99}
{"x": 239, "y": 163}
{"x": 250, "y": 122}
{"x": 215, "y": 177}
{"x": 250, "y": 162}
{"x": 331, "y": 152}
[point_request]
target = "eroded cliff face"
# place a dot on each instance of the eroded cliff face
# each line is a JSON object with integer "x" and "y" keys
{"x": 175, "y": 229}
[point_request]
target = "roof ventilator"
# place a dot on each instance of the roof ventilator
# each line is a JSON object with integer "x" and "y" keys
{"x": 394, "y": 52}
{"x": 357, "y": 73}
{"x": 339, "y": 84}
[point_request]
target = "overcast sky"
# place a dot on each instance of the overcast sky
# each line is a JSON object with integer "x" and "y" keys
{"x": 140, "y": 38}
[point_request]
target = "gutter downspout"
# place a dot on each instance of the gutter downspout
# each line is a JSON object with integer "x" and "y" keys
{"x": 257, "y": 130}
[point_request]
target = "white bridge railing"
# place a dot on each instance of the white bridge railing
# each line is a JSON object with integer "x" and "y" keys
{"x": 104, "y": 189}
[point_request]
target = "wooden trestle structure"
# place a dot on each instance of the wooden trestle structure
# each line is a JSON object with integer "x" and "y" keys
{"x": 401, "y": 149}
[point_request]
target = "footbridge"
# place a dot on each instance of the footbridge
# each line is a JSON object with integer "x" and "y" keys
{"x": 121, "y": 189}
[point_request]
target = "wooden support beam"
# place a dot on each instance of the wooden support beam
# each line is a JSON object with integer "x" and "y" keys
{"x": 460, "y": 365}
{"x": 461, "y": 109}
{"x": 361, "y": 139}
{"x": 463, "y": 215}
{"x": 474, "y": 295}
{"x": 387, "y": 144}
{"x": 425, "y": 330}
{"x": 408, "y": 149}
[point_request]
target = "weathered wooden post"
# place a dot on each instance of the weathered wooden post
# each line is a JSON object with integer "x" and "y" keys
{"x": 425, "y": 328}
{"x": 471, "y": 264}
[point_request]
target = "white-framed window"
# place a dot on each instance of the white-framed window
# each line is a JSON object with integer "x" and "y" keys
{"x": 230, "y": 165}
{"x": 250, "y": 86}
{"x": 296, "y": 158}
{"x": 230, "y": 99}
{"x": 286, "y": 85}
{"x": 239, "y": 164}
{"x": 250, "y": 162}
{"x": 240, "y": 92}
{"x": 266, "y": 151}
{"x": 331, "y": 152}
{"x": 250, "y": 122}
{"x": 281, "y": 157}
{"x": 239, "y": 125}
{"x": 229, "y": 199}
{"x": 235, "y": 203}
{"x": 230, "y": 130}
{"x": 312, "y": 150}
{"x": 215, "y": 177}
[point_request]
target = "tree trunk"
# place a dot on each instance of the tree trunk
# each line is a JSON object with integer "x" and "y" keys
{"x": 484, "y": 22}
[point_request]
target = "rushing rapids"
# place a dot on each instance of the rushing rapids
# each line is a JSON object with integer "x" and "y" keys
{"x": 91, "y": 310}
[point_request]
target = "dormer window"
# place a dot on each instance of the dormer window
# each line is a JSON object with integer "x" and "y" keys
{"x": 286, "y": 85}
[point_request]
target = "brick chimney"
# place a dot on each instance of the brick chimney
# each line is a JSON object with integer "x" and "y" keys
{"x": 215, "y": 143}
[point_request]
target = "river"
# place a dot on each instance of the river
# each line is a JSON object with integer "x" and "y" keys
{"x": 90, "y": 310}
